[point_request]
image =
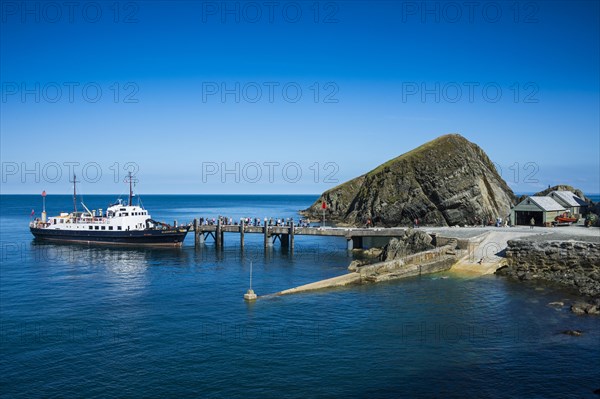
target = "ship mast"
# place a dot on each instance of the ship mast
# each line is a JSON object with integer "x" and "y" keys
{"x": 74, "y": 193}
{"x": 130, "y": 190}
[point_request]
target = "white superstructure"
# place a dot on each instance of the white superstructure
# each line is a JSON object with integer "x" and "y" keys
{"x": 118, "y": 217}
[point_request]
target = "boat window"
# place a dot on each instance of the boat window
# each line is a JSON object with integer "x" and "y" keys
{"x": 110, "y": 227}
{"x": 90, "y": 227}
{"x": 125, "y": 214}
{"x": 103, "y": 227}
{"x": 119, "y": 228}
{"x": 95, "y": 227}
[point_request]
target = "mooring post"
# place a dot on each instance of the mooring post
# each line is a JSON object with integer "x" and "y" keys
{"x": 219, "y": 234}
{"x": 242, "y": 233}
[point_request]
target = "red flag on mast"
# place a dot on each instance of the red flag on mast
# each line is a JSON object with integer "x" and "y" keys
{"x": 32, "y": 212}
{"x": 44, "y": 193}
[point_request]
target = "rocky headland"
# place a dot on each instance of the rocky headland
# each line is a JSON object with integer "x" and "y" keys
{"x": 446, "y": 182}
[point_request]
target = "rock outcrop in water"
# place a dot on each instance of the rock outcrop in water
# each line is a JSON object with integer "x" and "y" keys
{"x": 412, "y": 242}
{"x": 448, "y": 181}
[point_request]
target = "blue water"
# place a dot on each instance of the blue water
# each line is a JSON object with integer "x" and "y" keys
{"x": 79, "y": 321}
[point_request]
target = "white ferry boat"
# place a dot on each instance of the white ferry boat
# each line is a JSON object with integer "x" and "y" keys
{"x": 123, "y": 224}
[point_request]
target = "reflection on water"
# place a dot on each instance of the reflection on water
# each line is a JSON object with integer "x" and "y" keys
{"x": 124, "y": 268}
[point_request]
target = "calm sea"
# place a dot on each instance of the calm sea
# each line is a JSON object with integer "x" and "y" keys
{"x": 83, "y": 321}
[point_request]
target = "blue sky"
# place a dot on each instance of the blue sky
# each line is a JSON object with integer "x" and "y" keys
{"x": 203, "y": 97}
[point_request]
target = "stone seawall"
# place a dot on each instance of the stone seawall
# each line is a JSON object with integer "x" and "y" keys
{"x": 432, "y": 261}
{"x": 427, "y": 262}
{"x": 574, "y": 264}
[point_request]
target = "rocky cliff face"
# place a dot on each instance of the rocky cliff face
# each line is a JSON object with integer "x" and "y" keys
{"x": 448, "y": 181}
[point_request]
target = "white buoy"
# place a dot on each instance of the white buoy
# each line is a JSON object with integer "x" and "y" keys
{"x": 250, "y": 295}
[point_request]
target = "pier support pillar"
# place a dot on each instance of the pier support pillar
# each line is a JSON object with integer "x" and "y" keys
{"x": 285, "y": 240}
{"x": 196, "y": 233}
{"x": 267, "y": 236}
{"x": 292, "y": 237}
{"x": 219, "y": 235}
{"x": 242, "y": 235}
{"x": 357, "y": 242}
{"x": 349, "y": 243}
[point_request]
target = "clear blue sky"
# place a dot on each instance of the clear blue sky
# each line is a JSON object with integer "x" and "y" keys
{"x": 371, "y": 62}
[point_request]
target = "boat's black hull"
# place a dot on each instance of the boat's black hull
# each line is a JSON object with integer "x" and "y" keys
{"x": 171, "y": 237}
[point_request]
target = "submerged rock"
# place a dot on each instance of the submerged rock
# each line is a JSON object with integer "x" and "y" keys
{"x": 585, "y": 308}
{"x": 574, "y": 333}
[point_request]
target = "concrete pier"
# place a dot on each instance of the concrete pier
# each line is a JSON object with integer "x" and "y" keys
{"x": 287, "y": 235}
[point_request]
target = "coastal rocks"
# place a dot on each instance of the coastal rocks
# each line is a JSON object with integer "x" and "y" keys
{"x": 373, "y": 252}
{"x": 448, "y": 181}
{"x": 355, "y": 264}
{"x": 585, "y": 308}
{"x": 412, "y": 242}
